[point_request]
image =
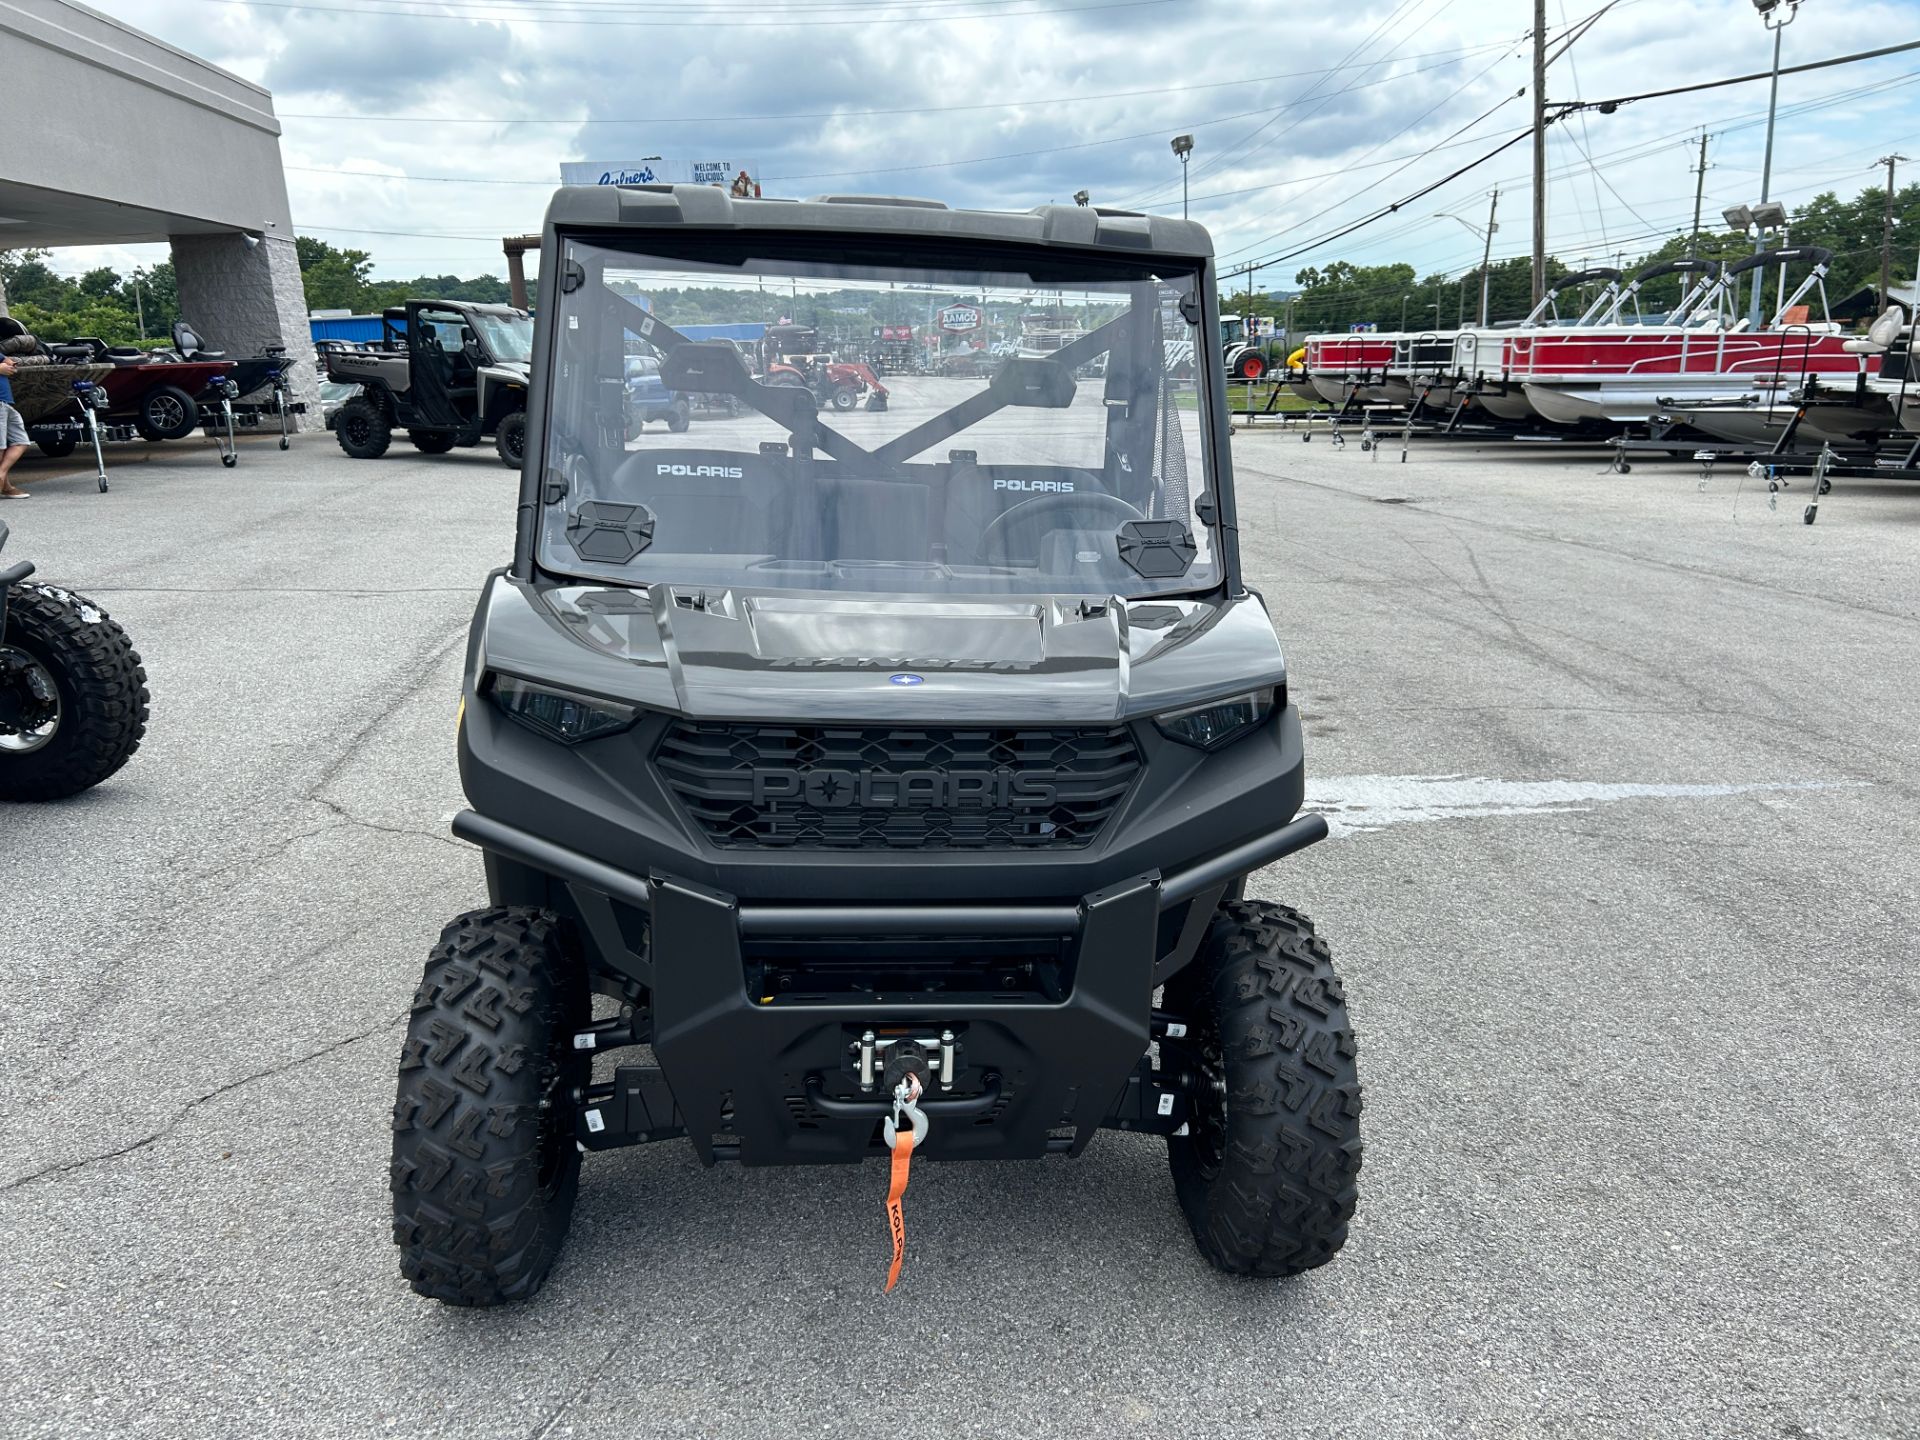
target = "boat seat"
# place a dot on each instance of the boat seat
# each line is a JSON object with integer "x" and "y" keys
{"x": 188, "y": 342}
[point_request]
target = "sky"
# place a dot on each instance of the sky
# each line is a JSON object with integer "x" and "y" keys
{"x": 424, "y": 130}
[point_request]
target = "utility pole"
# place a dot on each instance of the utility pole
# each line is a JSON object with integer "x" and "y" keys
{"x": 1486, "y": 258}
{"x": 1539, "y": 149}
{"x": 1886, "y": 233}
{"x": 1699, "y": 188}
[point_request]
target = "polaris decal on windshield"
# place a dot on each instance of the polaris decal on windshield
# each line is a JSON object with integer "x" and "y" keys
{"x": 722, "y": 472}
{"x": 1044, "y": 487}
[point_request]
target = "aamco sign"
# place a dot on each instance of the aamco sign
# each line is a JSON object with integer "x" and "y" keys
{"x": 960, "y": 317}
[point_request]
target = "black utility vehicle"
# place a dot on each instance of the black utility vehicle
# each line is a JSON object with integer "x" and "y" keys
{"x": 446, "y": 371}
{"x": 894, "y": 779}
{"x": 73, "y": 698}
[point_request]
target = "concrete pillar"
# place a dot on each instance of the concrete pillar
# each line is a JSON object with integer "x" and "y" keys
{"x": 242, "y": 298}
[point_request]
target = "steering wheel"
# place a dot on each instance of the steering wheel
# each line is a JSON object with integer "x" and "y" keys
{"x": 993, "y": 539}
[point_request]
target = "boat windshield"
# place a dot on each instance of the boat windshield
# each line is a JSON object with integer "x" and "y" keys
{"x": 1081, "y": 469}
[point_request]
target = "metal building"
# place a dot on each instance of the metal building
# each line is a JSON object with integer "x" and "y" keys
{"x": 88, "y": 107}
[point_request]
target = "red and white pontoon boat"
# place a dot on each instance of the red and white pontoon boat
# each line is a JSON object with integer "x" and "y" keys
{"x": 1627, "y": 374}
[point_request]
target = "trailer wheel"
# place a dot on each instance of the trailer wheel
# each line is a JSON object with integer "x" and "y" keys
{"x": 361, "y": 428}
{"x": 1268, "y": 1171}
{"x": 167, "y": 413}
{"x": 73, "y": 697}
{"x": 55, "y": 444}
{"x": 510, "y": 440}
{"x": 485, "y": 1168}
{"x": 432, "y": 442}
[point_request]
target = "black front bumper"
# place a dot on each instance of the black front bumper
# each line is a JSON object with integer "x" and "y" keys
{"x": 768, "y": 1079}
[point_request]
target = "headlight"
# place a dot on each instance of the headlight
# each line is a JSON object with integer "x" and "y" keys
{"x": 560, "y": 714}
{"x": 1209, "y": 726}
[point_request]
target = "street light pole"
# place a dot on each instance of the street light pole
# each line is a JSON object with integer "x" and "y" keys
{"x": 1886, "y": 233}
{"x": 1183, "y": 147}
{"x": 1771, "y": 18}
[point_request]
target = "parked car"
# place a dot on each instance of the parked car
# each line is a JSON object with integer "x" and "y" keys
{"x": 649, "y": 399}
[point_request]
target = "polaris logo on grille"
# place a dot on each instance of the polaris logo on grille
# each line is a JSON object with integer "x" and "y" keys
{"x": 721, "y": 472}
{"x": 1040, "y": 487}
{"x": 843, "y": 662}
{"x": 908, "y": 789}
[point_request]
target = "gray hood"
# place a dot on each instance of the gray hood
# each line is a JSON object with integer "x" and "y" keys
{"x": 769, "y": 655}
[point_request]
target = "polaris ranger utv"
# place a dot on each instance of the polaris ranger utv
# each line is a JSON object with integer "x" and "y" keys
{"x": 893, "y": 778}
{"x": 447, "y": 372}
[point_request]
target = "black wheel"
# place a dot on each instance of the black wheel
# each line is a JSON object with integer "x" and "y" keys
{"x": 361, "y": 428}
{"x": 229, "y": 460}
{"x": 432, "y": 442}
{"x": 485, "y": 1167}
{"x": 679, "y": 419}
{"x": 1268, "y": 1171}
{"x": 511, "y": 439}
{"x": 845, "y": 397}
{"x": 167, "y": 413}
{"x": 794, "y": 382}
{"x": 73, "y": 698}
{"x": 55, "y": 444}
{"x": 636, "y": 424}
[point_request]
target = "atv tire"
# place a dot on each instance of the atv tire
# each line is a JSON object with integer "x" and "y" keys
{"x": 485, "y": 1168}
{"x": 361, "y": 428}
{"x": 167, "y": 413}
{"x": 432, "y": 442}
{"x": 511, "y": 439}
{"x": 55, "y": 444}
{"x": 101, "y": 692}
{"x": 1268, "y": 1171}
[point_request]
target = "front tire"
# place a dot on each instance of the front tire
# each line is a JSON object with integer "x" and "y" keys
{"x": 1268, "y": 1171}
{"x": 485, "y": 1168}
{"x": 73, "y": 696}
{"x": 510, "y": 440}
{"x": 361, "y": 428}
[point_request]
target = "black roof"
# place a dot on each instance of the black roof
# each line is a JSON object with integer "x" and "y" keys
{"x": 1118, "y": 232}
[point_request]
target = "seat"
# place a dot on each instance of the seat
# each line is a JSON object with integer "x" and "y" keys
{"x": 708, "y": 502}
{"x": 188, "y": 342}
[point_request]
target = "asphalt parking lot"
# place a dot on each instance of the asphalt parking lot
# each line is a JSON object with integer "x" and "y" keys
{"x": 1625, "y": 882}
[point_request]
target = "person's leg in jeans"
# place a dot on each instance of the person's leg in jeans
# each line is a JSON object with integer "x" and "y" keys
{"x": 14, "y": 441}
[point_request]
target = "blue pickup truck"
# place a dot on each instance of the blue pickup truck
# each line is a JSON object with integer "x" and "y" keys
{"x": 649, "y": 399}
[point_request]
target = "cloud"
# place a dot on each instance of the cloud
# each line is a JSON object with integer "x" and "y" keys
{"x": 1270, "y": 157}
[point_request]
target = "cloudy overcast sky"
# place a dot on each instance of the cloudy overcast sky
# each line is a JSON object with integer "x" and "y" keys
{"x": 423, "y": 130}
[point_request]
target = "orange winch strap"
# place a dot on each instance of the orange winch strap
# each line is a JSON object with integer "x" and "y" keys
{"x": 896, "y": 1219}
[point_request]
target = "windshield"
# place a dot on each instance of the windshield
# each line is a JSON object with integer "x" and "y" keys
{"x": 507, "y": 335}
{"x": 1028, "y": 439}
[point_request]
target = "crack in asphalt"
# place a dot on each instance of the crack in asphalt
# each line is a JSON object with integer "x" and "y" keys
{"x": 585, "y": 1392}
{"x": 68, "y": 1167}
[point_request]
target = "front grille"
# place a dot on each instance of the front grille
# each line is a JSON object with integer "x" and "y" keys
{"x": 851, "y": 788}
